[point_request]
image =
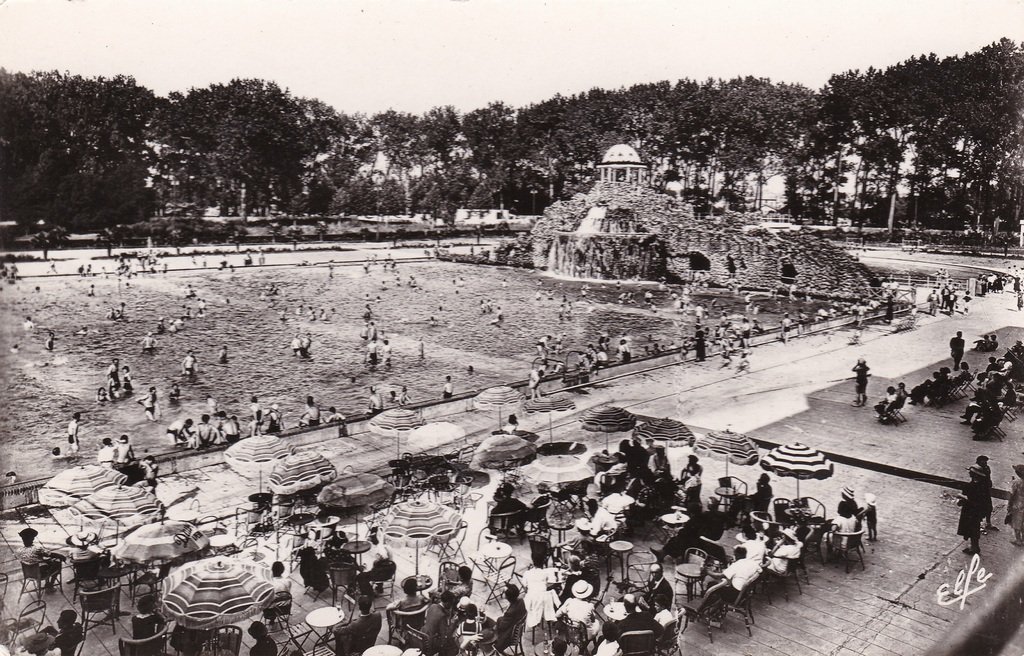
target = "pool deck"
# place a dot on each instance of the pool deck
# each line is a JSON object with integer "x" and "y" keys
{"x": 792, "y": 393}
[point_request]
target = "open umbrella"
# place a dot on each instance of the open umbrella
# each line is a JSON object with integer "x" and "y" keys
{"x": 729, "y": 446}
{"x": 351, "y": 490}
{"x": 256, "y": 456}
{"x": 395, "y": 423}
{"x": 556, "y": 470}
{"x": 608, "y": 419}
{"x": 127, "y": 506}
{"x": 667, "y": 430}
{"x": 503, "y": 448}
{"x": 548, "y": 405}
{"x": 75, "y": 483}
{"x": 415, "y": 522}
{"x": 216, "y": 592}
{"x": 301, "y": 471}
{"x": 797, "y": 461}
{"x": 498, "y": 398}
{"x": 159, "y": 543}
{"x": 432, "y": 435}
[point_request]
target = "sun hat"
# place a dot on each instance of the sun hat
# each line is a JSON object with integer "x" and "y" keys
{"x": 28, "y": 533}
{"x": 791, "y": 534}
{"x": 848, "y": 492}
{"x": 37, "y": 643}
{"x": 870, "y": 499}
{"x": 82, "y": 540}
{"x": 583, "y": 525}
{"x": 581, "y": 589}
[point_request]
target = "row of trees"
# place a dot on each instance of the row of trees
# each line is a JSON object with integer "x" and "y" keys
{"x": 938, "y": 141}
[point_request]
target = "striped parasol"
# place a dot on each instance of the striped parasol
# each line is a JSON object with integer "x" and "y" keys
{"x": 395, "y": 423}
{"x": 418, "y": 521}
{"x": 608, "y": 419}
{"x": 501, "y": 448}
{"x": 548, "y": 405}
{"x": 729, "y": 446}
{"x": 214, "y": 592}
{"x": 666, "y": 430}
{"x": 159, "y": 543}
{"x": 257, "y": 455}
{"x": 301, "y": 471}
{"x": 435, "y": 434}
{"x": 556, "y": 470}
{"x": 75, "y": 483}
{"x": 797, "y": 461}
{"x": 351, "y": 490}
{"x": 499, "y": 398}
{"x": 128, "y": 506}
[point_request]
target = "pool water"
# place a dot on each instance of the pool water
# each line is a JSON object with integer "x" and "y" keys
{"x": 41, "y": 389}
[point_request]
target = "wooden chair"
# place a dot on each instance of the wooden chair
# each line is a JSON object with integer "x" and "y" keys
{"x": 815, "y": 507}
{"x": 779, "y": 507}
{"x": 504, "y": 523}
{"x": 540, "y": 548}
{"x": 515, "y": 648}
{"x": 853, "y": 549}
{"x": 637, "y": 643}
{"x": 152, "y": 646}
{"x": 226, "y": 640}
{"x": 537, "y": 517}
{"x": 343, "y": 580}
{"x": 29, "y": 620}
{"x": 86, "y": 574}
{"x": 280, "y": 611}
{"x": 741, "y": 604}
{"x": 769, "y": 576}
{"x": 35, "y": 578}
{"x": 447, "y": 575}
{"x": 715, "y": 552}
{"x": 668, "y": 644}
{"x": 100, "y": 607}
{"x": 401, "y": 620}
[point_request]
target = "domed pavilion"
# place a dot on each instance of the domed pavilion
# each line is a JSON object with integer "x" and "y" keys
{"x": 621, "y": 163}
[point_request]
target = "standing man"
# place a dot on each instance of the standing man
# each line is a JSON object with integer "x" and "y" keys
{"x": 956, "y": 349}
{"x": 982, "y": 461}
{"x": 73, "y": 427}
{"x": 860, "y": 371}
{"x": 972, "y": 509}
{"x": 448, "y": 390}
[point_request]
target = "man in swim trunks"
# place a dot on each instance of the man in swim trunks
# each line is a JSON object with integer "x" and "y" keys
{"x": 180, "y": 431}
{"x": 148, "y": 343}
{"x": 73, "y": 427}
{"x": 189, "y": 365}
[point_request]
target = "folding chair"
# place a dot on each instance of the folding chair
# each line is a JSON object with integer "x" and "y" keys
{"x": 29, "y": 620}
{"x": 280, "y": 611}
{"x": 503, "y": 574}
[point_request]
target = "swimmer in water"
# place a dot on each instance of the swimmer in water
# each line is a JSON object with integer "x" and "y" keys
{"x": 189, "y": 365}
{"x": 101, "y": 395}
{"x": 148, "y": 343}
{"x": 149, "y": 405}
{"x": 222, "y": 357}
{"x": 48, "y": 344}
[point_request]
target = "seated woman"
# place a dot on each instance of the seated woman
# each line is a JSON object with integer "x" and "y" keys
{"x": 579, "y": 610}
{"x": 382, "y": 569}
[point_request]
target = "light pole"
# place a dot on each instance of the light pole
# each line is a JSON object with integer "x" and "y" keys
{"x": 533, "y": 202}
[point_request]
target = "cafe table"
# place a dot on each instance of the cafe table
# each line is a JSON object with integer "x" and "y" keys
{"x": 322, "y": 620}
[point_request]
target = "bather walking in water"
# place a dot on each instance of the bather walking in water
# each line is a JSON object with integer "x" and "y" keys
{"x": 189, "y": 366}
{"x": 148, "y": 343}
{"x": 311, "y": 417}
{"x": 222, "y": 357}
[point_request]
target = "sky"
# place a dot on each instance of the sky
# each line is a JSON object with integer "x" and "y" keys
{"x": 411, "y": 55}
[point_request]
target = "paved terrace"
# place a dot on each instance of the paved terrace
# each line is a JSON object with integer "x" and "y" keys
{"x": 791, "y": 393}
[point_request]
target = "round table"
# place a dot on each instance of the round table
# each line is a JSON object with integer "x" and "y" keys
{"x": 325, "y": 618}
{"x": 619, "y": 549}
{"x": 560, "y": 526}
{"x": 615, "y": 611}
{"x": 691, "y": 574}
{"x": 423, "y": 581}
{"x": 299, "y": 520}
{"x": 495, "y": 550}
{"x": 220, "y": 541}
{"x": 357, "y": 547}
{"x": 675, "y": 519}
{"x": 383, "y": 650}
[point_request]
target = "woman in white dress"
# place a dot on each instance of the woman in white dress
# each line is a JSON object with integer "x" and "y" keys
{"x": 540, "y": 599}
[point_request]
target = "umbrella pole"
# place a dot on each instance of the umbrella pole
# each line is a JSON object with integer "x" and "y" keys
{"x": 551, "y": 431}
{"x": 417, "y": 558}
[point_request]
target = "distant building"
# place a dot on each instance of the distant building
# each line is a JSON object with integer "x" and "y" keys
{"x": 482, "y": 217}
{"x": 621, "y": 163}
